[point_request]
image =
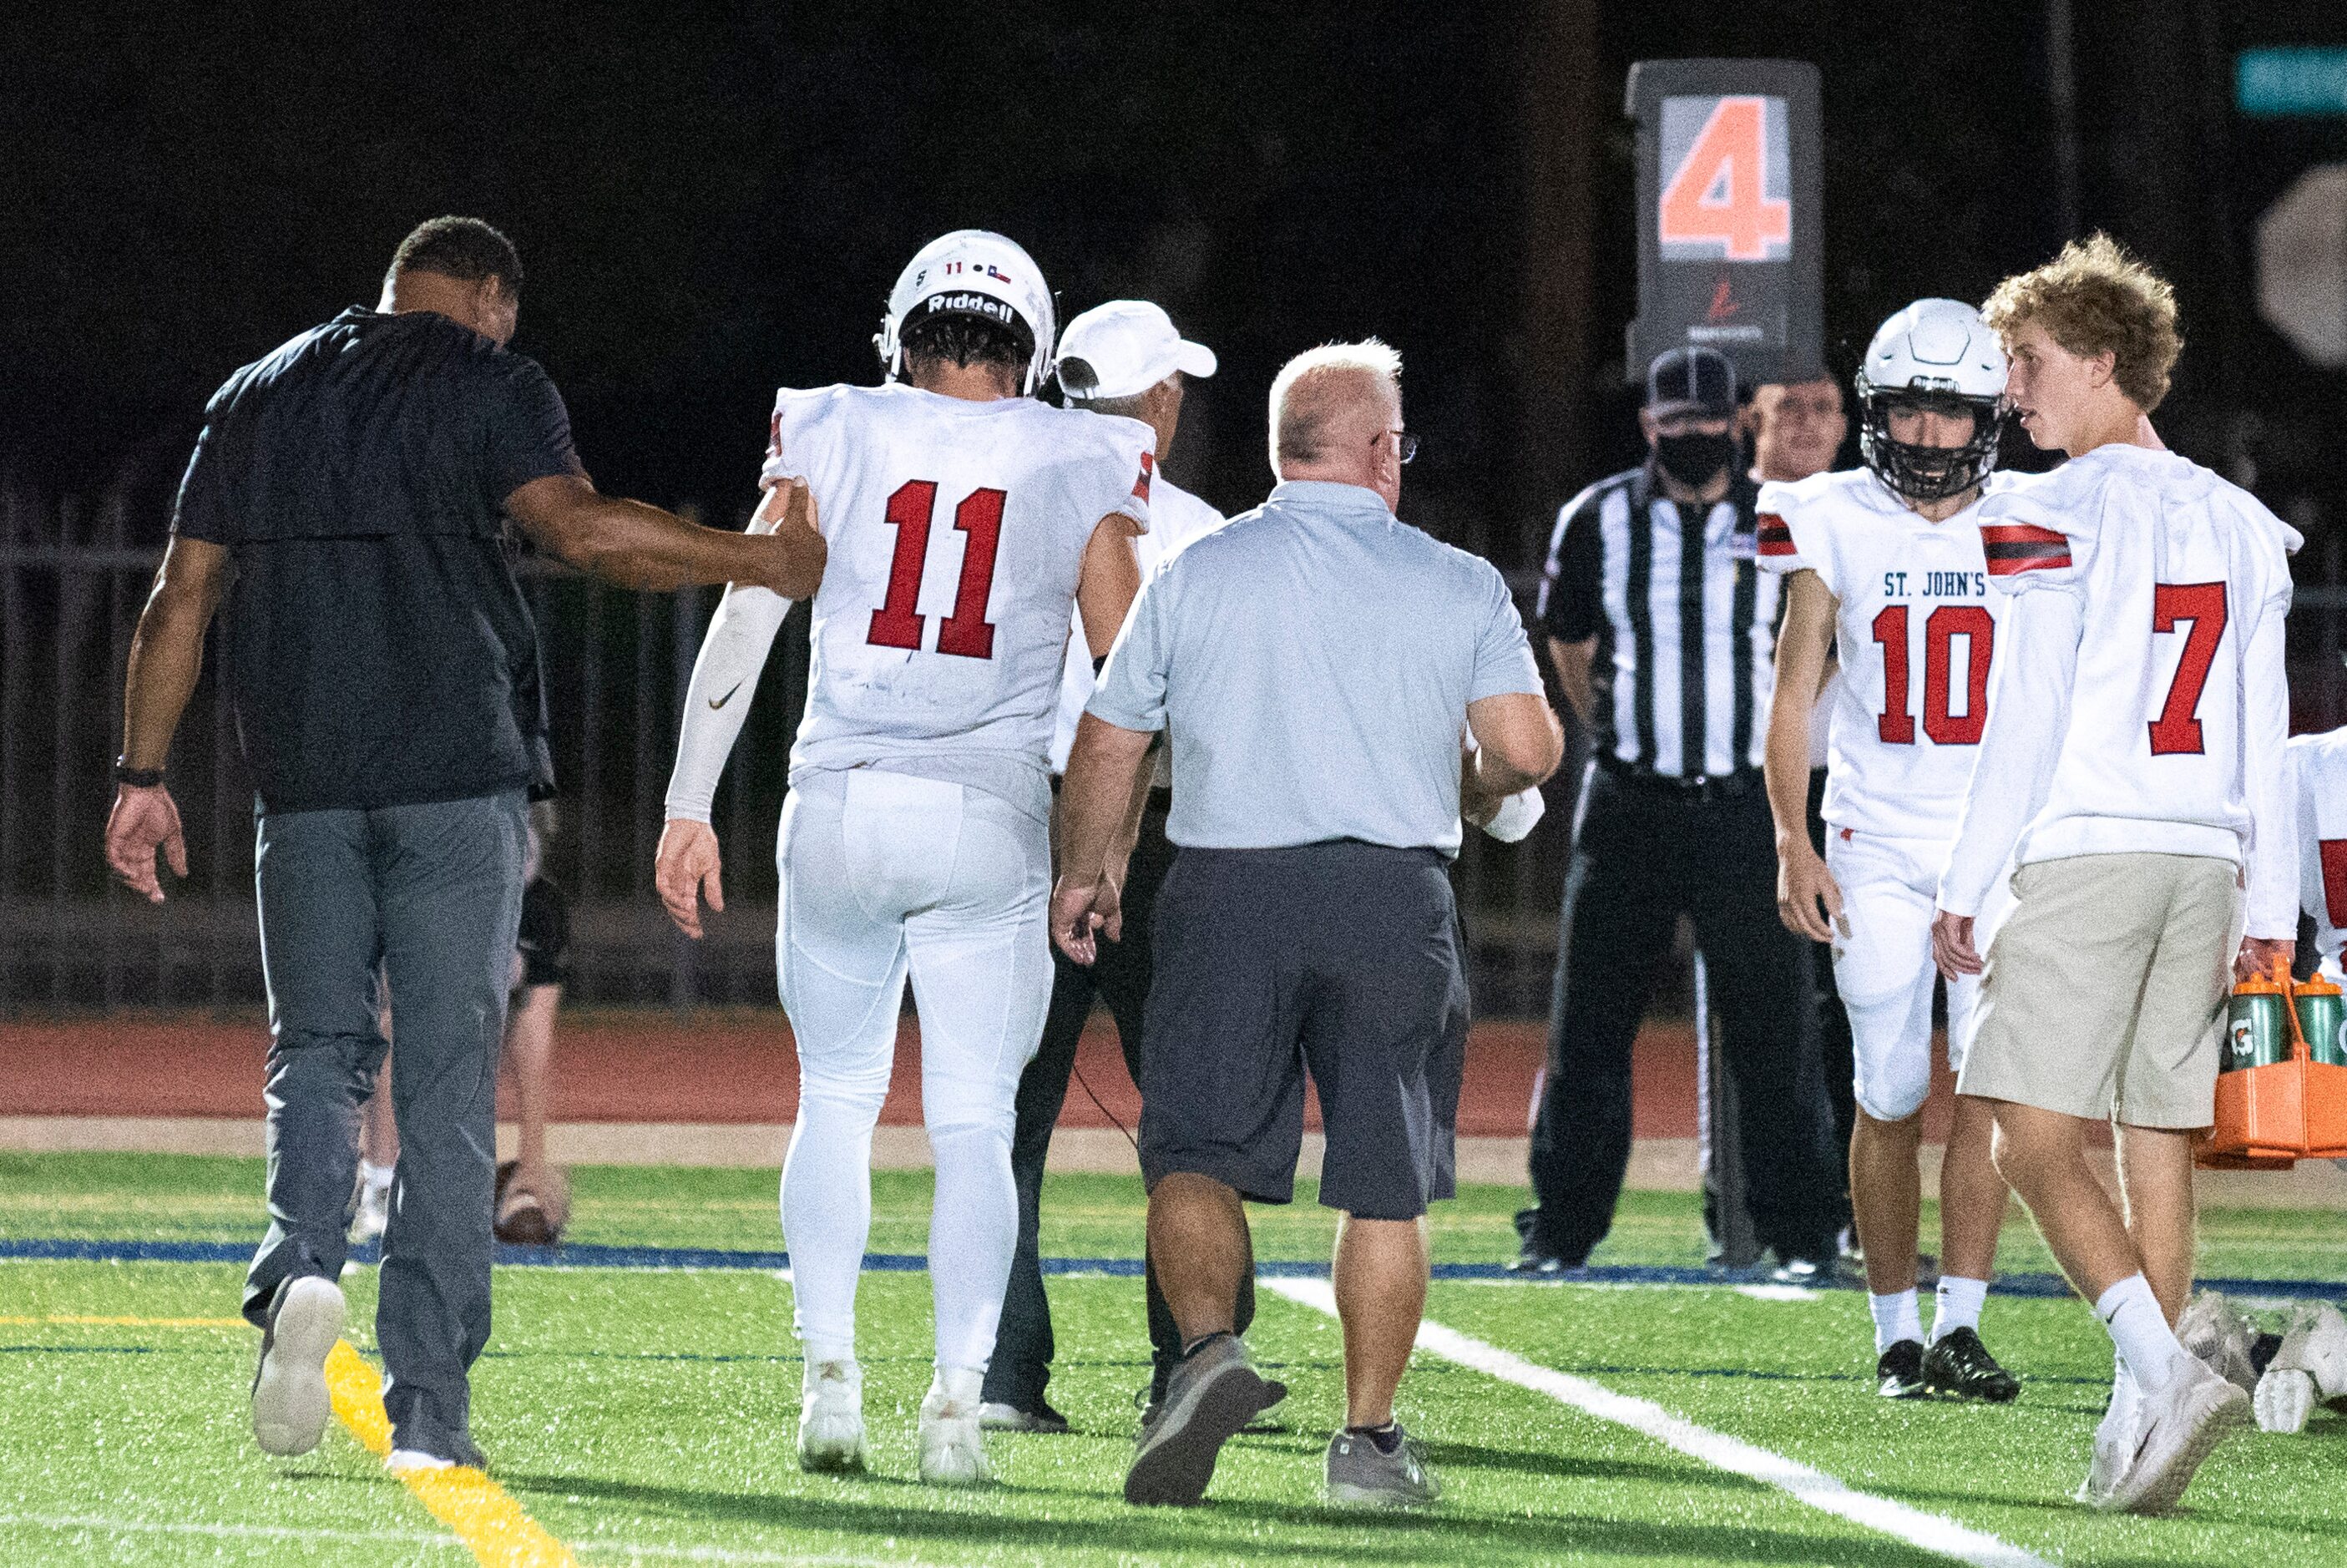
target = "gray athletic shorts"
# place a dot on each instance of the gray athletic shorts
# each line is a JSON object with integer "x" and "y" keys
{"x": 1341, "y": 957}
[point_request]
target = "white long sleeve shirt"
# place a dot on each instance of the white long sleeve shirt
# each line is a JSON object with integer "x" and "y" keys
{"x": 2141, "y": 702}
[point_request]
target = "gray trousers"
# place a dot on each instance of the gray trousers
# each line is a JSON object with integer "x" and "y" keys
{"x": 432, "y": 895}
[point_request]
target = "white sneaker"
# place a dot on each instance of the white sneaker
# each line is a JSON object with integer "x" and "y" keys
{"x": 290, "y": 1402}
{"x": 2316, "y": 1343}
{"x": 2114, "y": 1444}
{"x": 953, "y": 1445}
{"x": 2221, "y": 1335}
{"x": 2178, "y": 1427}
{"x": 831, "y": 1417}
{"x": 409, "y": 1462}
{"x": 2285, "y": 1399}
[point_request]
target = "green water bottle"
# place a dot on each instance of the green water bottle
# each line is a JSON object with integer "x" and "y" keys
{"x": 2323, "y": 1019}
{"x": 2256, "y": 1024}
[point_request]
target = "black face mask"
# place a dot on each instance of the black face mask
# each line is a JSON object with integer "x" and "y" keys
{"x": 1694, "y": 460}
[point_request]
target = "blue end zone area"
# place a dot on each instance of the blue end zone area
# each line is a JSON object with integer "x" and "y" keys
{"x": 2042, "y": 1286}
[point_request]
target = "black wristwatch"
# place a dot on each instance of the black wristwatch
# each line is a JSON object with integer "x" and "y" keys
{"x": 136, "y": 778}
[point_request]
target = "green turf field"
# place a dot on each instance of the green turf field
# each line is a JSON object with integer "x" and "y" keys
{"x": 643, "y": 1415}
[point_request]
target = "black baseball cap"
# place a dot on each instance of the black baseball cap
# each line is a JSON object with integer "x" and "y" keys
{"x": 1691, "y": 380}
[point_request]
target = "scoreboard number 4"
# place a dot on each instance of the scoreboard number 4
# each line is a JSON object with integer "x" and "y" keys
{"x": 1718, "y": 194}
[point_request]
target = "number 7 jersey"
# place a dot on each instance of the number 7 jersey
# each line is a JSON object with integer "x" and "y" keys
{"x": 956, "y": 532}
{"x": 1915, "y": 636}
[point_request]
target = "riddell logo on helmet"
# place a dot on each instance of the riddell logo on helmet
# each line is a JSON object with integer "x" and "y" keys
{"x": 975, "y": 304}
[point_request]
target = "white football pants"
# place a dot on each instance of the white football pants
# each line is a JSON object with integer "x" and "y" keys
{"x": 1884, "y": 970}
{"x": 883, "y": 873}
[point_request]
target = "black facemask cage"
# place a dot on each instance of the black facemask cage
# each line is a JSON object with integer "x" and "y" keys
{"x": 1927, "y": 473}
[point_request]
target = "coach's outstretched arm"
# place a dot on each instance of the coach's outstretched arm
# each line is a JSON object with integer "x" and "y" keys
{"x": 640, "y": 546}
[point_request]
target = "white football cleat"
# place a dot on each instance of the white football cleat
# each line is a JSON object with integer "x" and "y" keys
{"x": 373, "y": 1216}
{"x": 290, "y": 1401}
{"x": 953, "y": 1443}
{"x": 2316, "y": 1343}
{"x": 2177, "y": 1428}
{"x": 831, "y": 1417}
{"x": 2285, "y": 1399}
{"x": 2114, "y": 1443}
{"x": 2221, "y": 1335}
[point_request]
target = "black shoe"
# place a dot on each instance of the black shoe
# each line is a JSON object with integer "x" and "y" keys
{"x": 1960, "y": 1366}
{"x": 1901, "y": 1371}
{"x": 1036, "y": 1416}
{"x": 1534, "y": 1264}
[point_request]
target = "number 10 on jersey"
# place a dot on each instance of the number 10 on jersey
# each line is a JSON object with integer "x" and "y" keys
{"x": 966, "y": 631}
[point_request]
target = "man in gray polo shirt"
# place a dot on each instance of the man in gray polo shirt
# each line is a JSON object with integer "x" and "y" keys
{"x": 1318, "y": 666}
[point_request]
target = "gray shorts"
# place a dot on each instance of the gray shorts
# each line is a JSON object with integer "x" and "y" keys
{"x": 1340, "y": 958}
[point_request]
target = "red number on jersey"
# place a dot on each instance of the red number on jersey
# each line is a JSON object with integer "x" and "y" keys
{"x": 1718, "y": 194}
{"x": 1947, "y": 622}
{"x": 2177, "y": 727}
{"x": 966, "y": 631}
{"x": 1897, "y": 724}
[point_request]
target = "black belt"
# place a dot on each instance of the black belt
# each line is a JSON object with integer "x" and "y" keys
{"x": 1702, "y": 788}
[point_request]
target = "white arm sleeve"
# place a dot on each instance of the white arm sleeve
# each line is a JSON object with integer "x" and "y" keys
{"x": 2028, "y": 715}
{"x": 724, "y": 676}
{"x": 2268, "y": 775}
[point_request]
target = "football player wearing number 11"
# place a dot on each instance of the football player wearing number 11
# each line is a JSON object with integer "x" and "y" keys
{"x": 2134, "y": 769}
{"x": 966, "y": 521}
{"x": 1885, "y": 563}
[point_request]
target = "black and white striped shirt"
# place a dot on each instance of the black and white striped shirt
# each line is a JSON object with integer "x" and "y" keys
{"x": 1684, "y": 620}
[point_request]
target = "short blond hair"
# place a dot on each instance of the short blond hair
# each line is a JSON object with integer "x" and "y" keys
{"x": 1302, "y": 398}
{"x": 2094, "y": 298}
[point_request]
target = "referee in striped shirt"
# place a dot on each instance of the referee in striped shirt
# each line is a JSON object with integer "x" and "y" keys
{"x": 1661, "y": 629}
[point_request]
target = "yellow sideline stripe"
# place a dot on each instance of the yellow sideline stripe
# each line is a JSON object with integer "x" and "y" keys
{"x": 484, "y": 1516}
{"x": 129, "y": 1322}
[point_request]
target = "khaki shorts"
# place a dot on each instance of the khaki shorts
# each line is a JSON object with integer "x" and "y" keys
{"x": 2105, "y": 990}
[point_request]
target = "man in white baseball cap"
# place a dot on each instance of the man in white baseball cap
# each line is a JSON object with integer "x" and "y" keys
{"x": 1123, "y": 357}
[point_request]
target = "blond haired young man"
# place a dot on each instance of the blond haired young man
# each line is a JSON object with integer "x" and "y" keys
{"x": 2133, "y": 772}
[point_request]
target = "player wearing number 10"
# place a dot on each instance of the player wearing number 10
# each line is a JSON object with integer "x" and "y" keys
{"x": 1886, "y": 563}
{"x": 2134, "y": 769}
{"x": 966, "y": 522}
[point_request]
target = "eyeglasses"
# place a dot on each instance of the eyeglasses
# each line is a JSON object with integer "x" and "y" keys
{"x": 1404, "y": 444}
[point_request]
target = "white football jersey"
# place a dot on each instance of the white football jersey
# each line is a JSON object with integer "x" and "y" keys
{"x": 1175, "y": 517}
{"x": 2142, "y": 703}
{"x": 956, "y": 532}
{"x": 1914, "y": 634}
{"x": 2318, "y": 764}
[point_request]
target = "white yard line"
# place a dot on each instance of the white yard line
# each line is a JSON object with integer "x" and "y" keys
{"x": 1929, "y": 1531}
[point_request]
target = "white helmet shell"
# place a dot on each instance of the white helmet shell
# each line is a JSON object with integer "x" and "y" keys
{"x": 971, "y": 271}
{"x": 1934, "y": 345}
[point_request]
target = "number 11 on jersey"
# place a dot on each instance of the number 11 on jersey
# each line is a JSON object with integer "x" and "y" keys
{"x": 966, "y": 631}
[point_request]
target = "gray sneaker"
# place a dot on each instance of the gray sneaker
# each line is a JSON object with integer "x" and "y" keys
{"x": 1211, "y": 1394}
{"x": 1362, "y": 1475}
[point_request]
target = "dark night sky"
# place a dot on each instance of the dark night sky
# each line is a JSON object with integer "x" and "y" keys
{"x": 712, "y": 200}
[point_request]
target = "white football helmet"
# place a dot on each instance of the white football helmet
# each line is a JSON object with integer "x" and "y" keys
{"x": 972, "y": 272}
{"x": 1939, "y": 353}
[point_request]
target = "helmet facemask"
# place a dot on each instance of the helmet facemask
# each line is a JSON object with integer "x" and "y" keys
{"x": 1919, "y": 473}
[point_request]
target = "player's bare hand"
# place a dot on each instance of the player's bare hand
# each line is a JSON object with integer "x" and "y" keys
{"x": 142, "y": 821}
{"x": 688, "y": 866}
{"x": 1951, "y": 945}
{"x": 1077, "y": 917}
{"x": 1809, "y": 899}
{"x": 2259, "y": 955}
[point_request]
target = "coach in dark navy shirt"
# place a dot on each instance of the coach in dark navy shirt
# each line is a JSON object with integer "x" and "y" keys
{"x": 348, "y": 498}
{"x": 1660, "y": 628}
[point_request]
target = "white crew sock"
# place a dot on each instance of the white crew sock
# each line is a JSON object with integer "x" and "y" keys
{"x": 973, "y": 1230}
{"x": 2139, "y": 1328}
{"x": 1897, "y": 1316}
{"x": 1957, "y": 1306}
{"x": 376, "y": 1177}
{"x": 827, "y": 1216}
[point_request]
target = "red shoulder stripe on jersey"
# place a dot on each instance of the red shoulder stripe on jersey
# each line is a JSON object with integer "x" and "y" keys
{"x": 1141, "y": 485}
{"x": 1776, "y": 536}
{"x": 2021, "y": 547}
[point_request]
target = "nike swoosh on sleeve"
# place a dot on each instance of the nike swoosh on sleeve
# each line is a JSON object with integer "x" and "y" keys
{"x": 715, "y": 702}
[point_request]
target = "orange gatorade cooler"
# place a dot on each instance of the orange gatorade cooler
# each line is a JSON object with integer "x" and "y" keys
{"x": 2278, "y": 1101}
